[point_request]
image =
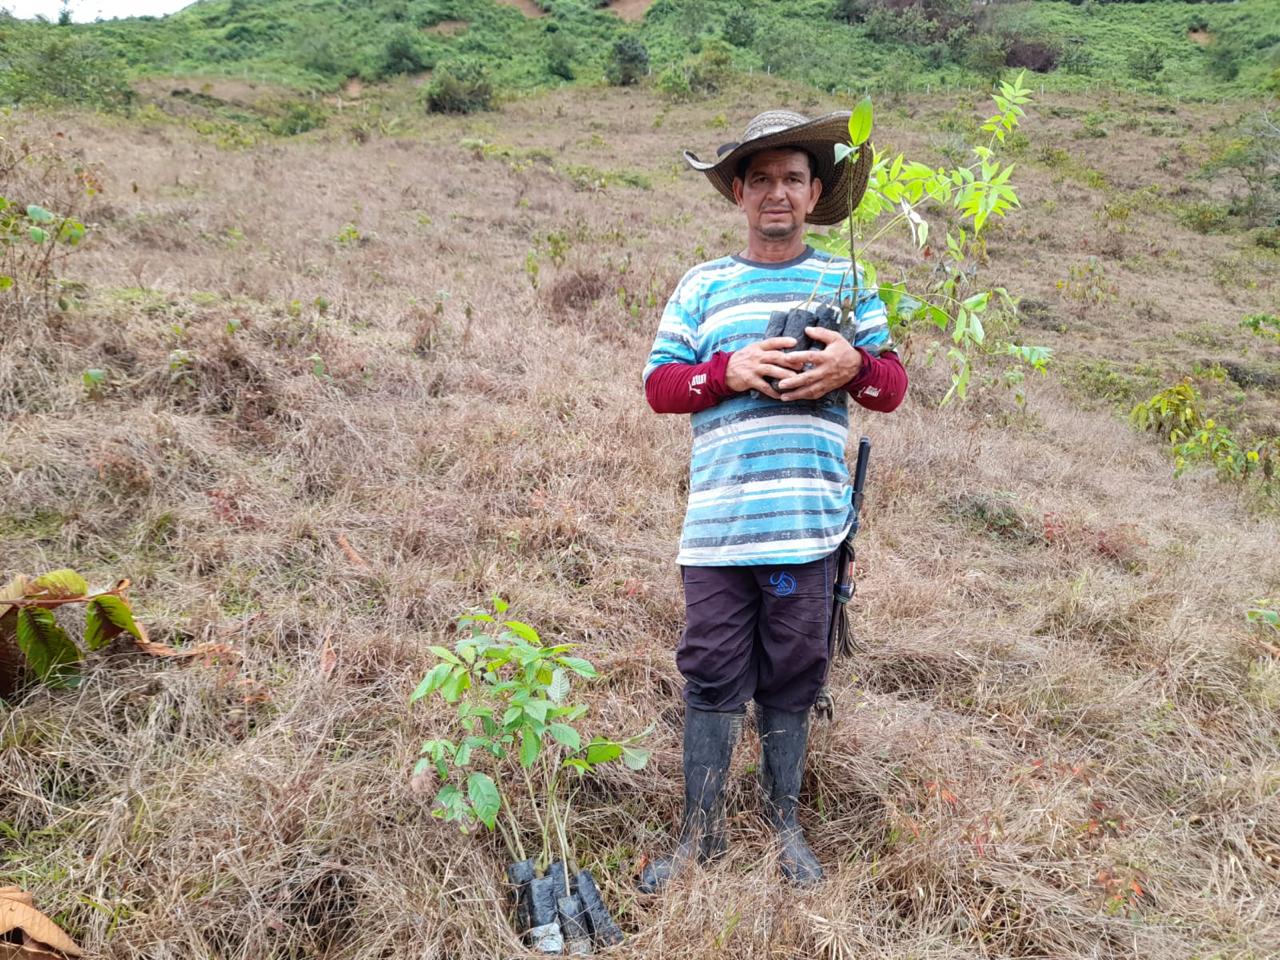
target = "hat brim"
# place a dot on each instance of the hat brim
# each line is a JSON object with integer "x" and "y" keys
{"x": 841, "y": 183}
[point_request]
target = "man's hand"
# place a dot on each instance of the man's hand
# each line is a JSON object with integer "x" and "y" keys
{"x": 749, "y": 366}
{"x": 830, "y": 368}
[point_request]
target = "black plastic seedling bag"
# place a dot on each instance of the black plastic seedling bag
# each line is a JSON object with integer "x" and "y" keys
{"x": 520, "y": 874}
{"x": 791, "y": 323}
{"x": 573, "y": 923}
{"x": 544, "y": 934}
{"x": 604, "y": 929}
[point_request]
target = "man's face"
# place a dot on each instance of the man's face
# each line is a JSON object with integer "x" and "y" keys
{"x": 777, "y": 193}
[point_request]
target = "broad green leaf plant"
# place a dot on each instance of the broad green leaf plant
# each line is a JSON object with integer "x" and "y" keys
{"x": 899, "y": 194}
{"x": 31, "y": 239}
{"x": 516, "y": 725}
{"x": 47, "y": 650}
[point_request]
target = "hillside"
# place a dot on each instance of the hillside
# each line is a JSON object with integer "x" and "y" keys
{"x": 336, "y": 412}
{"x": 1196, "y": 50}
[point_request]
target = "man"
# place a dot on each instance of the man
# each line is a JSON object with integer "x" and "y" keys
{"x": 769, "y": 497}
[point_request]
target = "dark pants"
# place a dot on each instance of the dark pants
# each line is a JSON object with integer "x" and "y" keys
{"x": 756, "y": 633}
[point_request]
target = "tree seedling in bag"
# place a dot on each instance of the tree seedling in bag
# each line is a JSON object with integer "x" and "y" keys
{"x": 515, "y": 724}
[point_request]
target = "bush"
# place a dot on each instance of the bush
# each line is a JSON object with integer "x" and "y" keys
{"x": 51, "y": 68}
{"x": 401, "y": 54}
{"x": 985, "y": 53}
{"x": 740, "y": 28}
{"x": 1037, "y": 55}
{"x": 704, "y": 74}
{"x": 560, "y": 54}
{"x": 1145, "y": 62}
{"x": 628, "y": 62}
{"x": 460, "y": 87}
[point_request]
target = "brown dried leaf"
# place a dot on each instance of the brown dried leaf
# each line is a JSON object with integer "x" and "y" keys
{"x": 18, "y": 913}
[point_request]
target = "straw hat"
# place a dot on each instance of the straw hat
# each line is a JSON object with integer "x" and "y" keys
{"x": 782, "y": 128}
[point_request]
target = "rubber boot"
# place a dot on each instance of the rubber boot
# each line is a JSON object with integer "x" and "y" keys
{"x": 783, "y": 739}
{"x": 709, "y": 738}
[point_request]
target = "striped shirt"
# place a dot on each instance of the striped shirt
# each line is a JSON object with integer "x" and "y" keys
{"x": 768, "y": 483}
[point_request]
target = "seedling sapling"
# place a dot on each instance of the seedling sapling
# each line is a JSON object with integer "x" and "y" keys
{"x": 901, "y": 189}
{"x": 515, "y": 721}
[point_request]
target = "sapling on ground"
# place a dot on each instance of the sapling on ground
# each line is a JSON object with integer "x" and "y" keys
{"x": 897, "y": 193}
{"x": 516, "y": 726}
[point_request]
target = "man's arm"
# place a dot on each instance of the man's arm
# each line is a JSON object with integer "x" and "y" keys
{"x": 881, "y": 383}
{"x": 690, "y": 387}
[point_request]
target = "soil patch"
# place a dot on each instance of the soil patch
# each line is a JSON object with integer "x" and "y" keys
{"x": 527, "y": 7}
{"x": 447, "y": 28}
{"x": 632, "y": 10}
{"x": 1200, "y": 37}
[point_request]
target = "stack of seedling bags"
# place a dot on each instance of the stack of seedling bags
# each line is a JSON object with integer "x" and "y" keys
{"x": 560, "y": 912}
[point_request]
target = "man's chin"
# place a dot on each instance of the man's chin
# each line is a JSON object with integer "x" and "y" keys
{"x": 778, "y": 231}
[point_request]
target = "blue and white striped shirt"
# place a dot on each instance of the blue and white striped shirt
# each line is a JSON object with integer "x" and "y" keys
{"x": 768, "y": 482}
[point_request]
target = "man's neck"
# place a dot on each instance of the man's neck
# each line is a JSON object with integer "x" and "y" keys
{"x": 765, "y": 250}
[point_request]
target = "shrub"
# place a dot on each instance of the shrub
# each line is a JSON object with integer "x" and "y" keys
{"x": 51, "y": 68}
{"x": 628, "y": 62}
{"x": 460, "y": 87}
{"x": 1037, "y": 55}
{"x": 560, "y": 54}
{"x": 985, "y": 53}
{"x": 704, "y": 74}
{"x": 1145, "y": 61}
{"x": 740, "y": 28}
{"x": 401, "y": 54}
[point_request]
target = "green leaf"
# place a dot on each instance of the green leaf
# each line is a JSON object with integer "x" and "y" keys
{"x": 582, "y": 668}
{"x": 98, "y": 631}
{"x": 38, "y": 235}
{"x": 106, "y": 617}
{"x": 484, "y": 797}
{"x": 6, "y": 282}
{"x": 860, "y": 122}
{"x": 578, "y": 764}
{"x": 563, "y": 733}
{"x": 537, "y": 709}
{"x": 499, "y": 605}
{"x": 71, "y": 232}
{"x": 431, "y": 682}
{"x": 63, "y": 583}
{"x": 48, "y": 649}
{"x": 446, "y": 655}
{"x": 635, "y": 757}
{"x": 118, "y": 612}
{"x": 458, "y": 683}
{"x": 603, "y": 751}
{"x": 843, "y": 150}
{"x": 523, "y": 631}
{"x": 558, "y": 688}
{"x": 512, "y": 716}
{"x": 39, "y": 214}
{"x": 530, "y": 747}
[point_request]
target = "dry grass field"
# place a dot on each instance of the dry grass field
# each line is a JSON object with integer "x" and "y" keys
{"x": 338, "y": 414}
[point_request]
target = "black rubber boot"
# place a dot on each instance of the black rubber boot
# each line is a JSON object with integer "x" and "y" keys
{"x": 783, "y": 739}
{"x": 709, "y": 738}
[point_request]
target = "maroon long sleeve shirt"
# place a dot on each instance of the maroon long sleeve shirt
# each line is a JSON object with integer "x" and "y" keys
{"x": 689, "y": 387}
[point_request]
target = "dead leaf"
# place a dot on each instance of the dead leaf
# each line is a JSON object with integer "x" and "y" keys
{"x": 351, "y": 553}
{"x": 40, "y": 934}
{"x": 328, "y": 659}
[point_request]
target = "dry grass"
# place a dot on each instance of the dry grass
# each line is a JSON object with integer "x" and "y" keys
{"x": 1055, "y": 705}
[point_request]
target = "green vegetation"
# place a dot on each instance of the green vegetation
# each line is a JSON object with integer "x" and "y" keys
{"x": 48, "y": 652}
{"x": 1176, "y": 415}
{"x": 314, "y": 45}
{"x": 512, "y": 714}
{"x": 898, "y": 191}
